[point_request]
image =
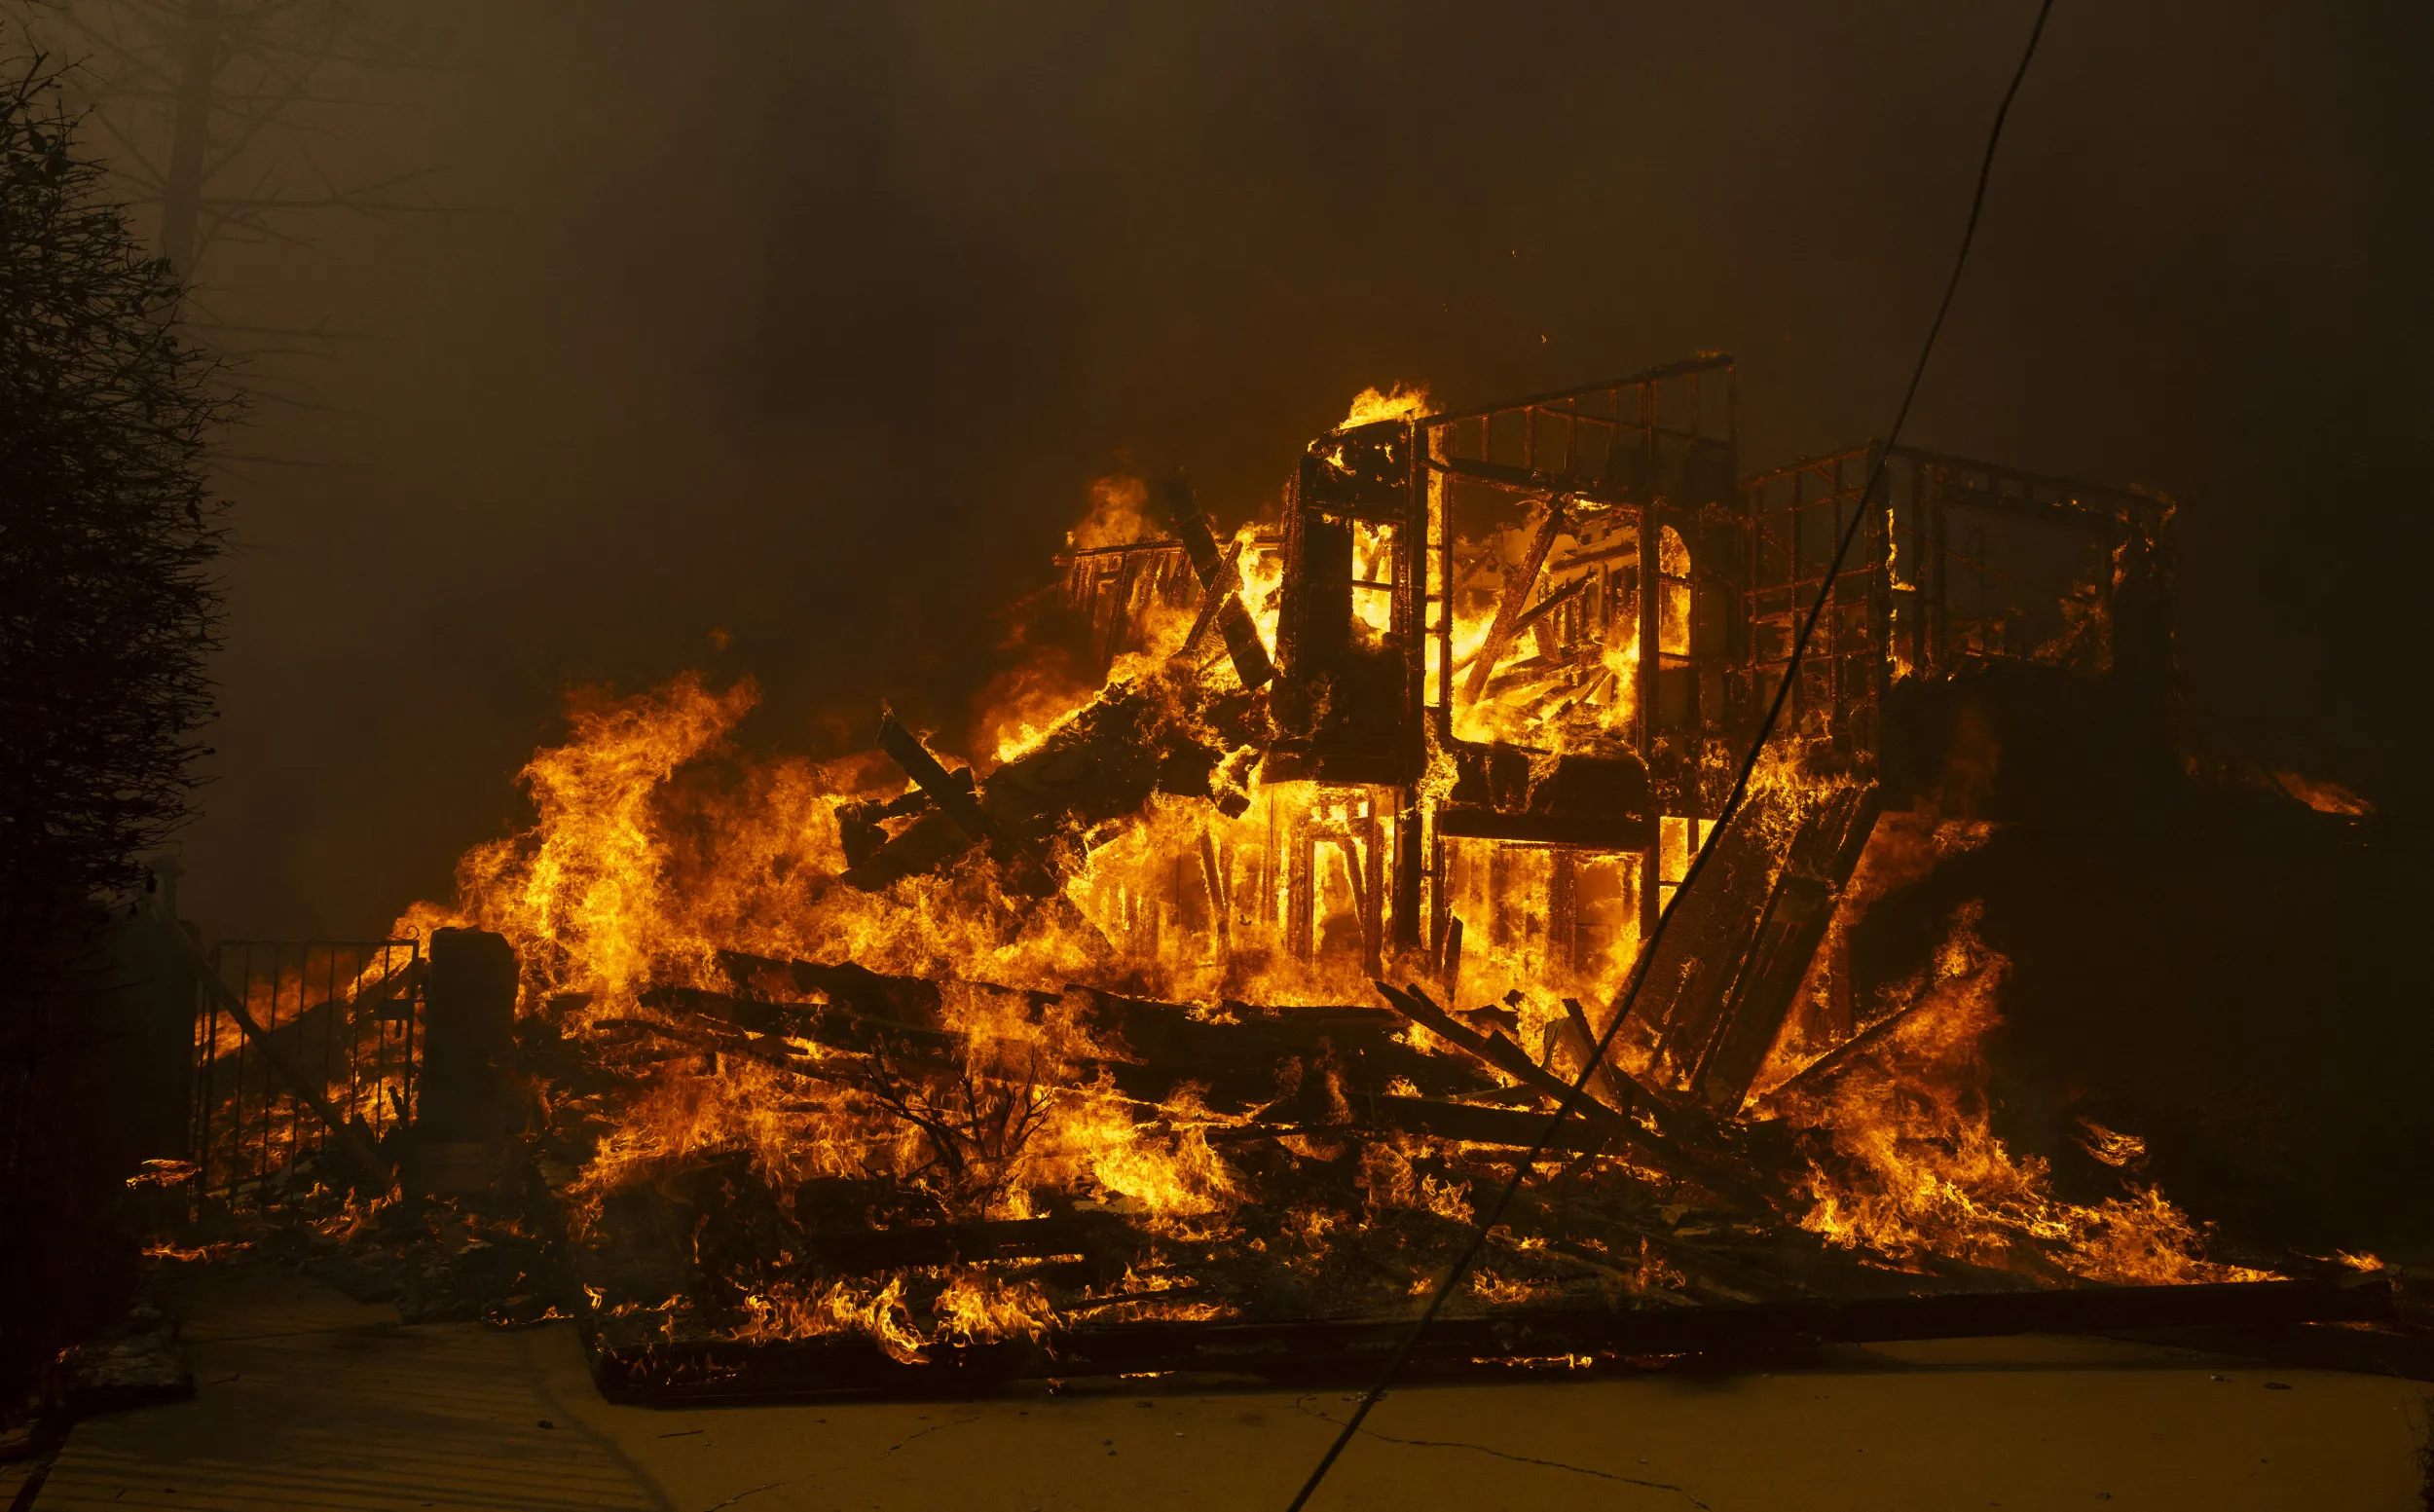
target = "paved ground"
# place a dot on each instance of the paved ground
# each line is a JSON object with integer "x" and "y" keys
{"x": 309, "y": 1400}
{"x": 306, "y": 1399}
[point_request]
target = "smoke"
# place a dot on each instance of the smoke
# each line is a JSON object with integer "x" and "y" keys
{"x": 784, "y": 340}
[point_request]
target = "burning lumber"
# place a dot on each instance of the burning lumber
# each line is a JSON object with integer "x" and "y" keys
{"x": 1508, "y": 1057}
{"x": 1076, "y": 1043}
{"x": 1100, "y": 764}
{"x": 1509, "y": 609}
{"x": 955, "y": 801}
{"x": 1314, "y": 1115}
{"x": 1221, "y": 583}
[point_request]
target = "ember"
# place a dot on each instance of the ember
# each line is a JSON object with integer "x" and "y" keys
{"x": 1293, "y": 884}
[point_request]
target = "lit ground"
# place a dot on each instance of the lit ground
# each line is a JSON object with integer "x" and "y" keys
{"x": 307, "y": 1399}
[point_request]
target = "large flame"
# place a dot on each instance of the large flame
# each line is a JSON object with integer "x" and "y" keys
{"x": 1908, "y": 1164}
{"x": 656, "y": 846}
{"x": 1396, "y": 401}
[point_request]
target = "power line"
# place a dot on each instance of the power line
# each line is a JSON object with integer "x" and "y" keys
{"x": 1732, "y": 805}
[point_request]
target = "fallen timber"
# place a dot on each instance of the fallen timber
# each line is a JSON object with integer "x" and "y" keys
{"x": 1221, "y": 585}
{"x": 1361, "y": 1112}
{"x": 1467, "y": 1122}
{"x": 1740, "y": 1281}
{"x": 1155, "y": 1048}
{"x": 1097, "y": 1237}
{"x": 1322, "y": 1350}
{"x": 1236, "y": 1062}
{"x": 1647, "y": 1145}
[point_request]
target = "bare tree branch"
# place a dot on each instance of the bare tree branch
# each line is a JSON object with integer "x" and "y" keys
{"x": 117, "y": 49}
{"x": 232, "y": 117}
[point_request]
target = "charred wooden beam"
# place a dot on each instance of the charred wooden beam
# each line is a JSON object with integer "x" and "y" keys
{"x": 1792, "y": 924}
{"x": 1354, "y": 879}
{"x": 1714, "y": 925}
{"x": 906, "y": 1000}
{"x": 1147, "y": 1022}
{"x": 1230, "y": 570}
{"x": 1531, "y": 672}
{"x": 1237, "y": 1057}
{"x": 1825, "y": 1067}
{"x": 1712, "y": 1276}
{"x": 1240, "y": 1062}
{"x": 1100, "y": 1237}
{"x": 1551, "y": 602}
{"x": 860, "y": 821}
{"x": 1528, "y": 480}
{"x": 1221, "y": 582}
{"x": 719, "y": 1040}
{"x": 1518, "y": 581}
{"x": 1603, "y": 1079}
{"x": 1450, "y": 955}
{"x": 1624, "y": 832}
{"x": 954, "y": 799}
{"x": 822, "y": 1023}
{"x": 838, "y": 1364}
{"x": 1529, "y": 618}
{"x": 1652, "y": 1148}
{"x": 1568, "y": 402}
{"x": 1219, "y": 903}
{"x": 1512, "y": 1127}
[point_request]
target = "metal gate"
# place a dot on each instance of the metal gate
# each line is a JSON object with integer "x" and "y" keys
{"x": 346, "y": 1012}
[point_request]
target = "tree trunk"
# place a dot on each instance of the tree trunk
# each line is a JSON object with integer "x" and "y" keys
{"x": 181, "y": 199}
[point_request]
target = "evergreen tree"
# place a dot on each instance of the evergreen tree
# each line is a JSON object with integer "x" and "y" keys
{"x": 108, "y": 529}
{"x": 108, "y": 613}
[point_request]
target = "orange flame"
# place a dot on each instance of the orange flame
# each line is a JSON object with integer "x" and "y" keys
{"x": 654, "y": 848}
{"x": 1918, "y": 1172}
{"x": 1396, "y": 401}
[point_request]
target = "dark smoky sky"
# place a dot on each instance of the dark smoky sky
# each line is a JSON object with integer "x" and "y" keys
{"x": 809, "y": 324}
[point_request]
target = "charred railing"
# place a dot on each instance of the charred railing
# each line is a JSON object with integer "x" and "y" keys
{"x": 344, "y": 1013}
{"x": 1959, "y": 563}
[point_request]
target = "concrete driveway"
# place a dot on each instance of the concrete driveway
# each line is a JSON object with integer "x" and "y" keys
{"x": 306, "y": 1399}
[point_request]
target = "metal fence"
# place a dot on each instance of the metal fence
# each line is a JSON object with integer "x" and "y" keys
{"x": 346, "y": 1012}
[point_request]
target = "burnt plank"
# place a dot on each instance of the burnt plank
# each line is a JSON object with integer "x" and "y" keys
{"x": 1469, "y": 1122}
{"x": 1598, "y": 832}
{"x": 1609, "y": 1085}
{"x": 1648, "y": 1146}
{"x": 823, "y": 1023}
{"x": 1240, "y": 1060}
{"x": 1103, "y": 1237}
{"x": 852, "y": 1364}
{"x": 1519, "y": 580}
{"x": 1221, "y": 582}
{"x": 1518, "y": 1127}
{"x": 955, "y": 799}
{"x": 1713, "y": 920}
{"x": 1238, "y": 1056}
{"x": 910, "y": 1000}
{"x": 1822, "y": 856}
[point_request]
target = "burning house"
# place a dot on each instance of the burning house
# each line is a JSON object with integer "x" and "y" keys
{"x": 1184, "y": 1025}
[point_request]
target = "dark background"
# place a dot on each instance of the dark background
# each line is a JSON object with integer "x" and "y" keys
{"x": 809, "y": 324}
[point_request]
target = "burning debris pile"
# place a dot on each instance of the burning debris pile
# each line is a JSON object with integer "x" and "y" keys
{"x": 1187, "y": 1025}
